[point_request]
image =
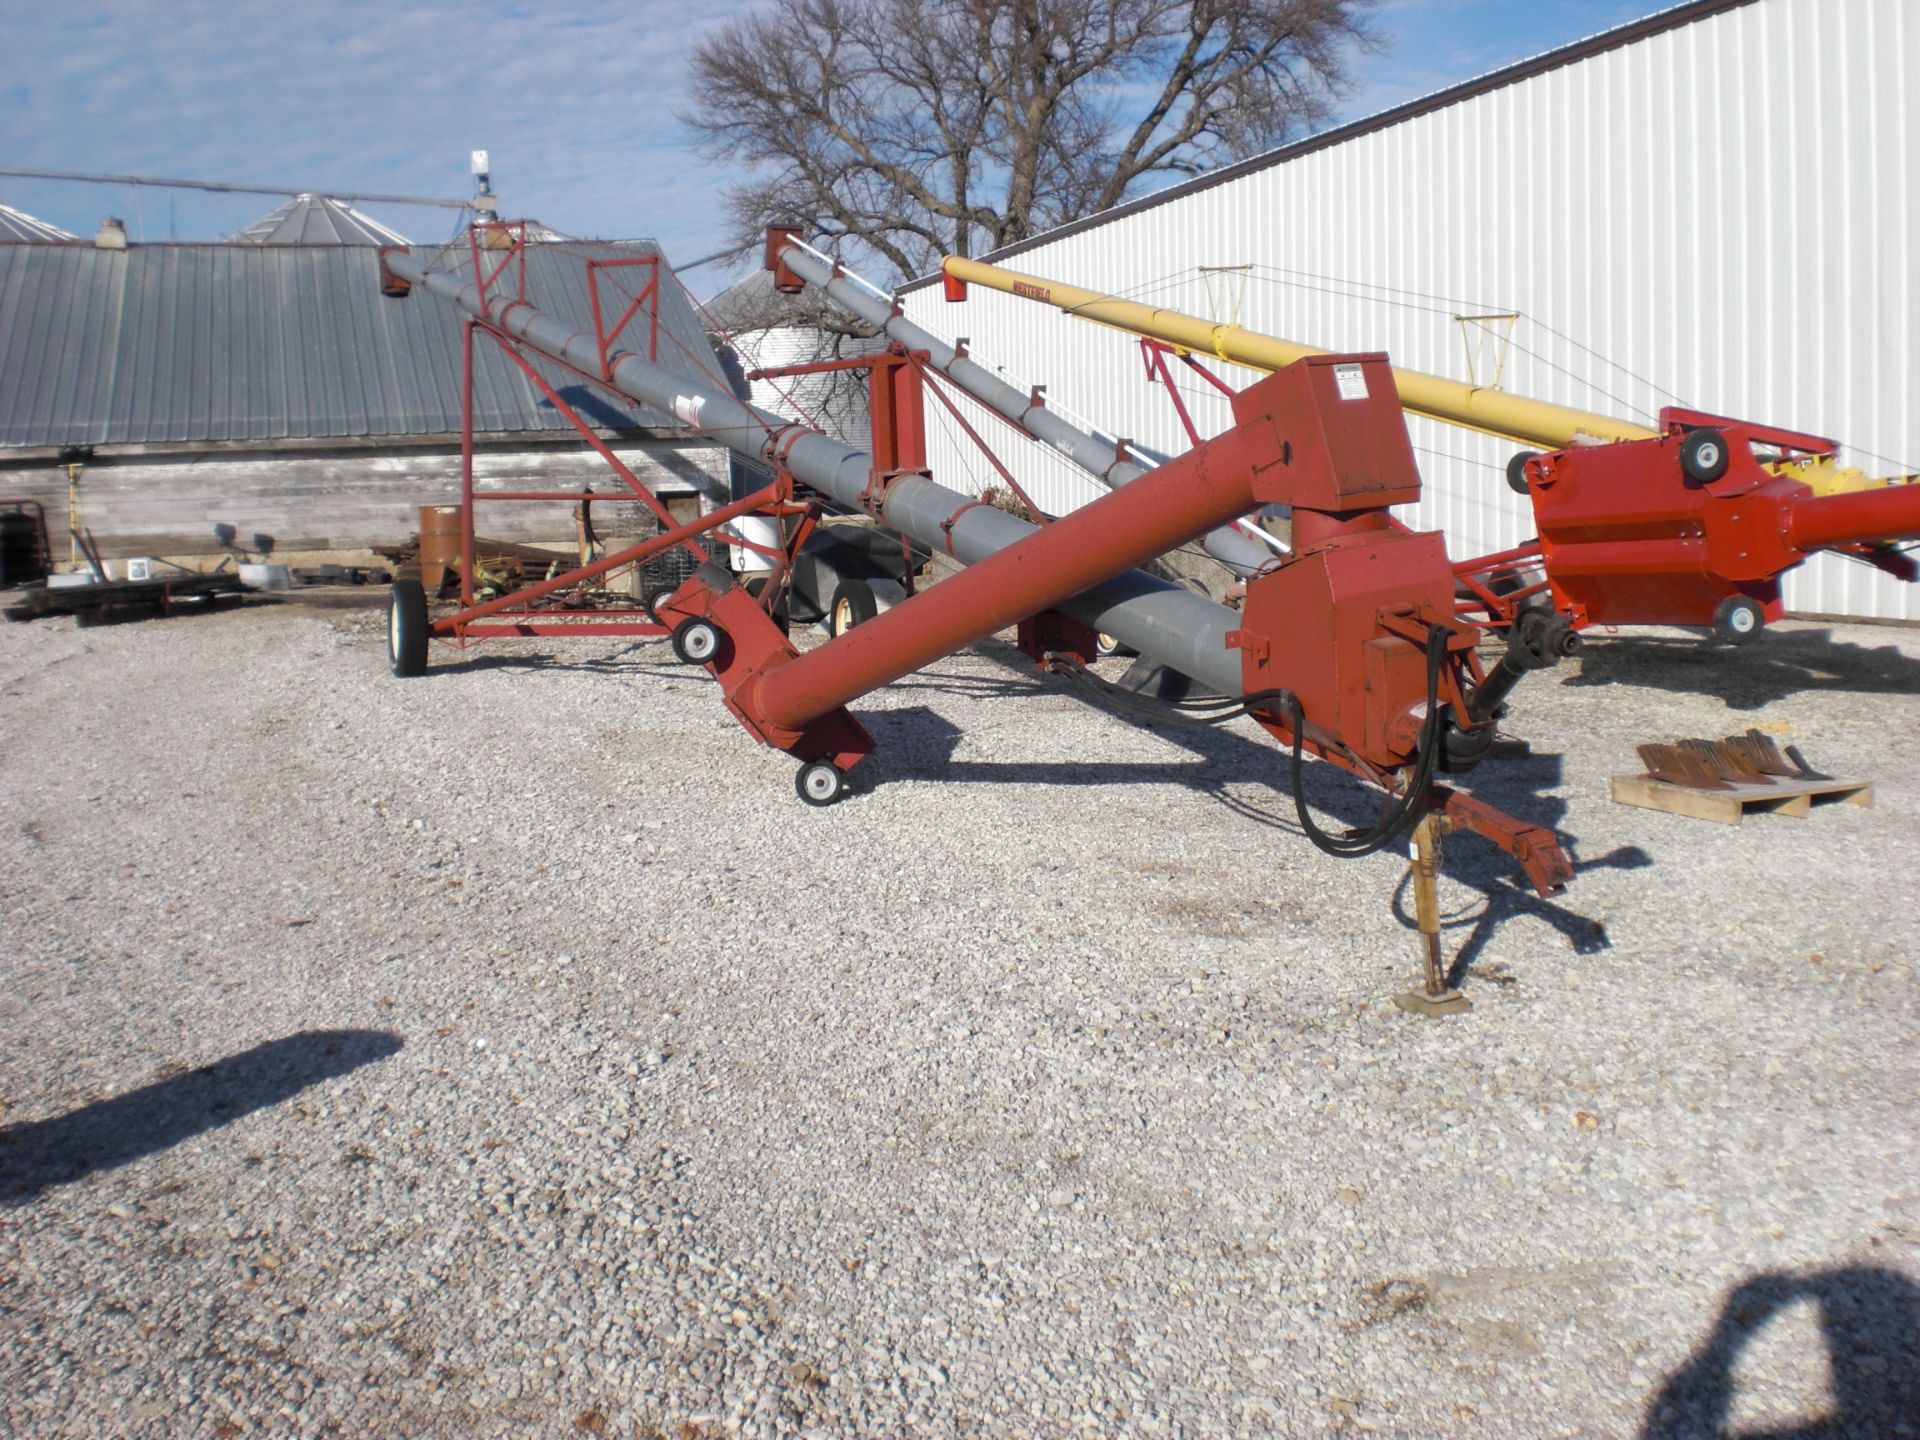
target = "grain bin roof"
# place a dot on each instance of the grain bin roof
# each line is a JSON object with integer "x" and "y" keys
{"x": 18, "y": 227}
{"x": 282, "y": 343}
{"x": 318, "y": 220}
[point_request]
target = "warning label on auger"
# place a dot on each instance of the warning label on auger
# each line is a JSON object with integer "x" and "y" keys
{"x": 1352, "y": 381}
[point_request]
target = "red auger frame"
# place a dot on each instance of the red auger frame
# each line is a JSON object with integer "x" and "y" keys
{"x": 1357, "y": 629}
{"x": 1695, "y": 527}
{"x": 1349, "y": 648}
{"x": 558, "y": 606}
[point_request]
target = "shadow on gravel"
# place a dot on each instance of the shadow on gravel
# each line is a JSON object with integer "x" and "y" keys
{"x": 625, "y": 661}
{"x": 915, "y": 742}
{"x": 1508, "y": 895}
{"x": 1870, "y": 1326}
{"x": 1777, "y": 664}
{"x": 109, "y": 1133}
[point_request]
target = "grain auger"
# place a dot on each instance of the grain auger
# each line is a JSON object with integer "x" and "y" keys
{"x": 1350, "y": 651}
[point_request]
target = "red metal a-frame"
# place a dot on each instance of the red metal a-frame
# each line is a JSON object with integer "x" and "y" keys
{"x": 555, "y": 606}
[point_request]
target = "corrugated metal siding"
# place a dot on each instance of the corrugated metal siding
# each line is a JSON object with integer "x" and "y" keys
{"x": 1725, "y": 211}
{"x": 835, "y": 402}
{"x": 183, "y": 343}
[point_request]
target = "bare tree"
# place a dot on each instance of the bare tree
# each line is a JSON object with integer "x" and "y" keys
{"x": 921, "y": 127}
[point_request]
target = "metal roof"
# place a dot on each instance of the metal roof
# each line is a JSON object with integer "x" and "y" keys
{"x": 318, "y": 220}
{"x": 262, "y": 343}
{"x": 18, "y": 227}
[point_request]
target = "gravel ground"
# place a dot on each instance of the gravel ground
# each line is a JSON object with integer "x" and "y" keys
{"x": 508, "y": 1052}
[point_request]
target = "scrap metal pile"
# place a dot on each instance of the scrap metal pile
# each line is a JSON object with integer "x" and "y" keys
{"x": 1353, "y": 643}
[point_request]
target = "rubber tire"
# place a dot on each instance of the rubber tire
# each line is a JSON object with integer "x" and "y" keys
{"x": 1737, "y": 620}
{"x": 1517, "y": 471}
{"x": 819, "y": 783}
{"x": 696, "y": 641}
{"x": 1703, "y": 455}
{"x": 407, "y": 628}
{"x": 854, "y": 602}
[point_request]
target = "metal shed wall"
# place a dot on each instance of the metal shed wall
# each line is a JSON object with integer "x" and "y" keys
{"x": 1722, "y": 212}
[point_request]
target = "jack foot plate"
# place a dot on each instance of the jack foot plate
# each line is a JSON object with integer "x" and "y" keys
{"x": 1446, "y": 1002}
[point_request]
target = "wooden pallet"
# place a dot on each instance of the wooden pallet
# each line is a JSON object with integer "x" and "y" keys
{"x": 1778, "y": 797}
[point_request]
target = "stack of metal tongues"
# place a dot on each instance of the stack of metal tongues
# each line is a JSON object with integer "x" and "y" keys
{"x": 1747, "y": 759}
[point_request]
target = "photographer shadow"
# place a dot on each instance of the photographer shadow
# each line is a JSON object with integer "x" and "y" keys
{"x": 1869, "y": 1321}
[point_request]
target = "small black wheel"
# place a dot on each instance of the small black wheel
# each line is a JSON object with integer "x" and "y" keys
{"x": 407, "y": 628}
{"x": 652, "y": 606}
{"x": 1517, "y": 471}
{"x": 820, "y": 783}
{"x": 854, "y": 603}
{"x": 696, "y": 641}
{"x": 1703, "y": 455}
{"x": 1737, "y": 620}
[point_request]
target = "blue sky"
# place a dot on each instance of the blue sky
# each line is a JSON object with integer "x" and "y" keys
{"x": 575, "y": 101}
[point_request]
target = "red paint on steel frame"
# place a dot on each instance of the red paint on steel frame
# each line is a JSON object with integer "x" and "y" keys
{"x": 896, "y": 412}
{"x": 771, "y": 496}
{"x": 1342, "y": 622}
{"x": 751, "y": 645}
{"x": 1325, "y": 432}
{"x": 1629, "y": 538}
{"x": 1160, "y": 510}
{"x": 603, "y": 338}
{"x": 1888, "y": 514}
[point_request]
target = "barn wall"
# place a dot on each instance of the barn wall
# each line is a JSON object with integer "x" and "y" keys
{"x": 1722, "y": 214}
{"x": 338, "y": 498}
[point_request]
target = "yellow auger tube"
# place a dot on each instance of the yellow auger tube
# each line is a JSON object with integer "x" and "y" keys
{"x": 1530, "y": 422}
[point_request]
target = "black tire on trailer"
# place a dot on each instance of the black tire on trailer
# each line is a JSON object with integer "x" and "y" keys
{"x": 407, "y": 628}
{"x": 854, "y": 603}
{"x": 1517, "y": 471}
{"x": 1703, "y": 455}
{"x": 1737, "y": 620}
{"x": 820, "y": 783}
{"x": 696, "y": 641}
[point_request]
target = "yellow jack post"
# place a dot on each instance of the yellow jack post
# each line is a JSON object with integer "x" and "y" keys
{"x": 1435, "y": 997}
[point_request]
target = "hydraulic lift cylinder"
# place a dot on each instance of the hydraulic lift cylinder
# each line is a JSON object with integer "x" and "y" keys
{"x": 1098, "y": 457}
{"x": 1531, "y": 422}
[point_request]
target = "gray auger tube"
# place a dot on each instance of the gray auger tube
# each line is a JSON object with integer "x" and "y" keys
{"x": 1164, "y": 622}
{"x": 1093, "y": 454}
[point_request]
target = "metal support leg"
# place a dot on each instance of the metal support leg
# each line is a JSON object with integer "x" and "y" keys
{"x": 1435, "y": 996}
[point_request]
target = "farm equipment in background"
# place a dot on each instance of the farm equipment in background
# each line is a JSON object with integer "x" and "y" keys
{"x": 1690, "y": 522}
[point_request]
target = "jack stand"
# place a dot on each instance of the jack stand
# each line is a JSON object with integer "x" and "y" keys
{"x": 1435, "y": 997}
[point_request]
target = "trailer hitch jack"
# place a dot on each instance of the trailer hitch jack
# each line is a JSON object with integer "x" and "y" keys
{"x": 1434, "y": 997}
